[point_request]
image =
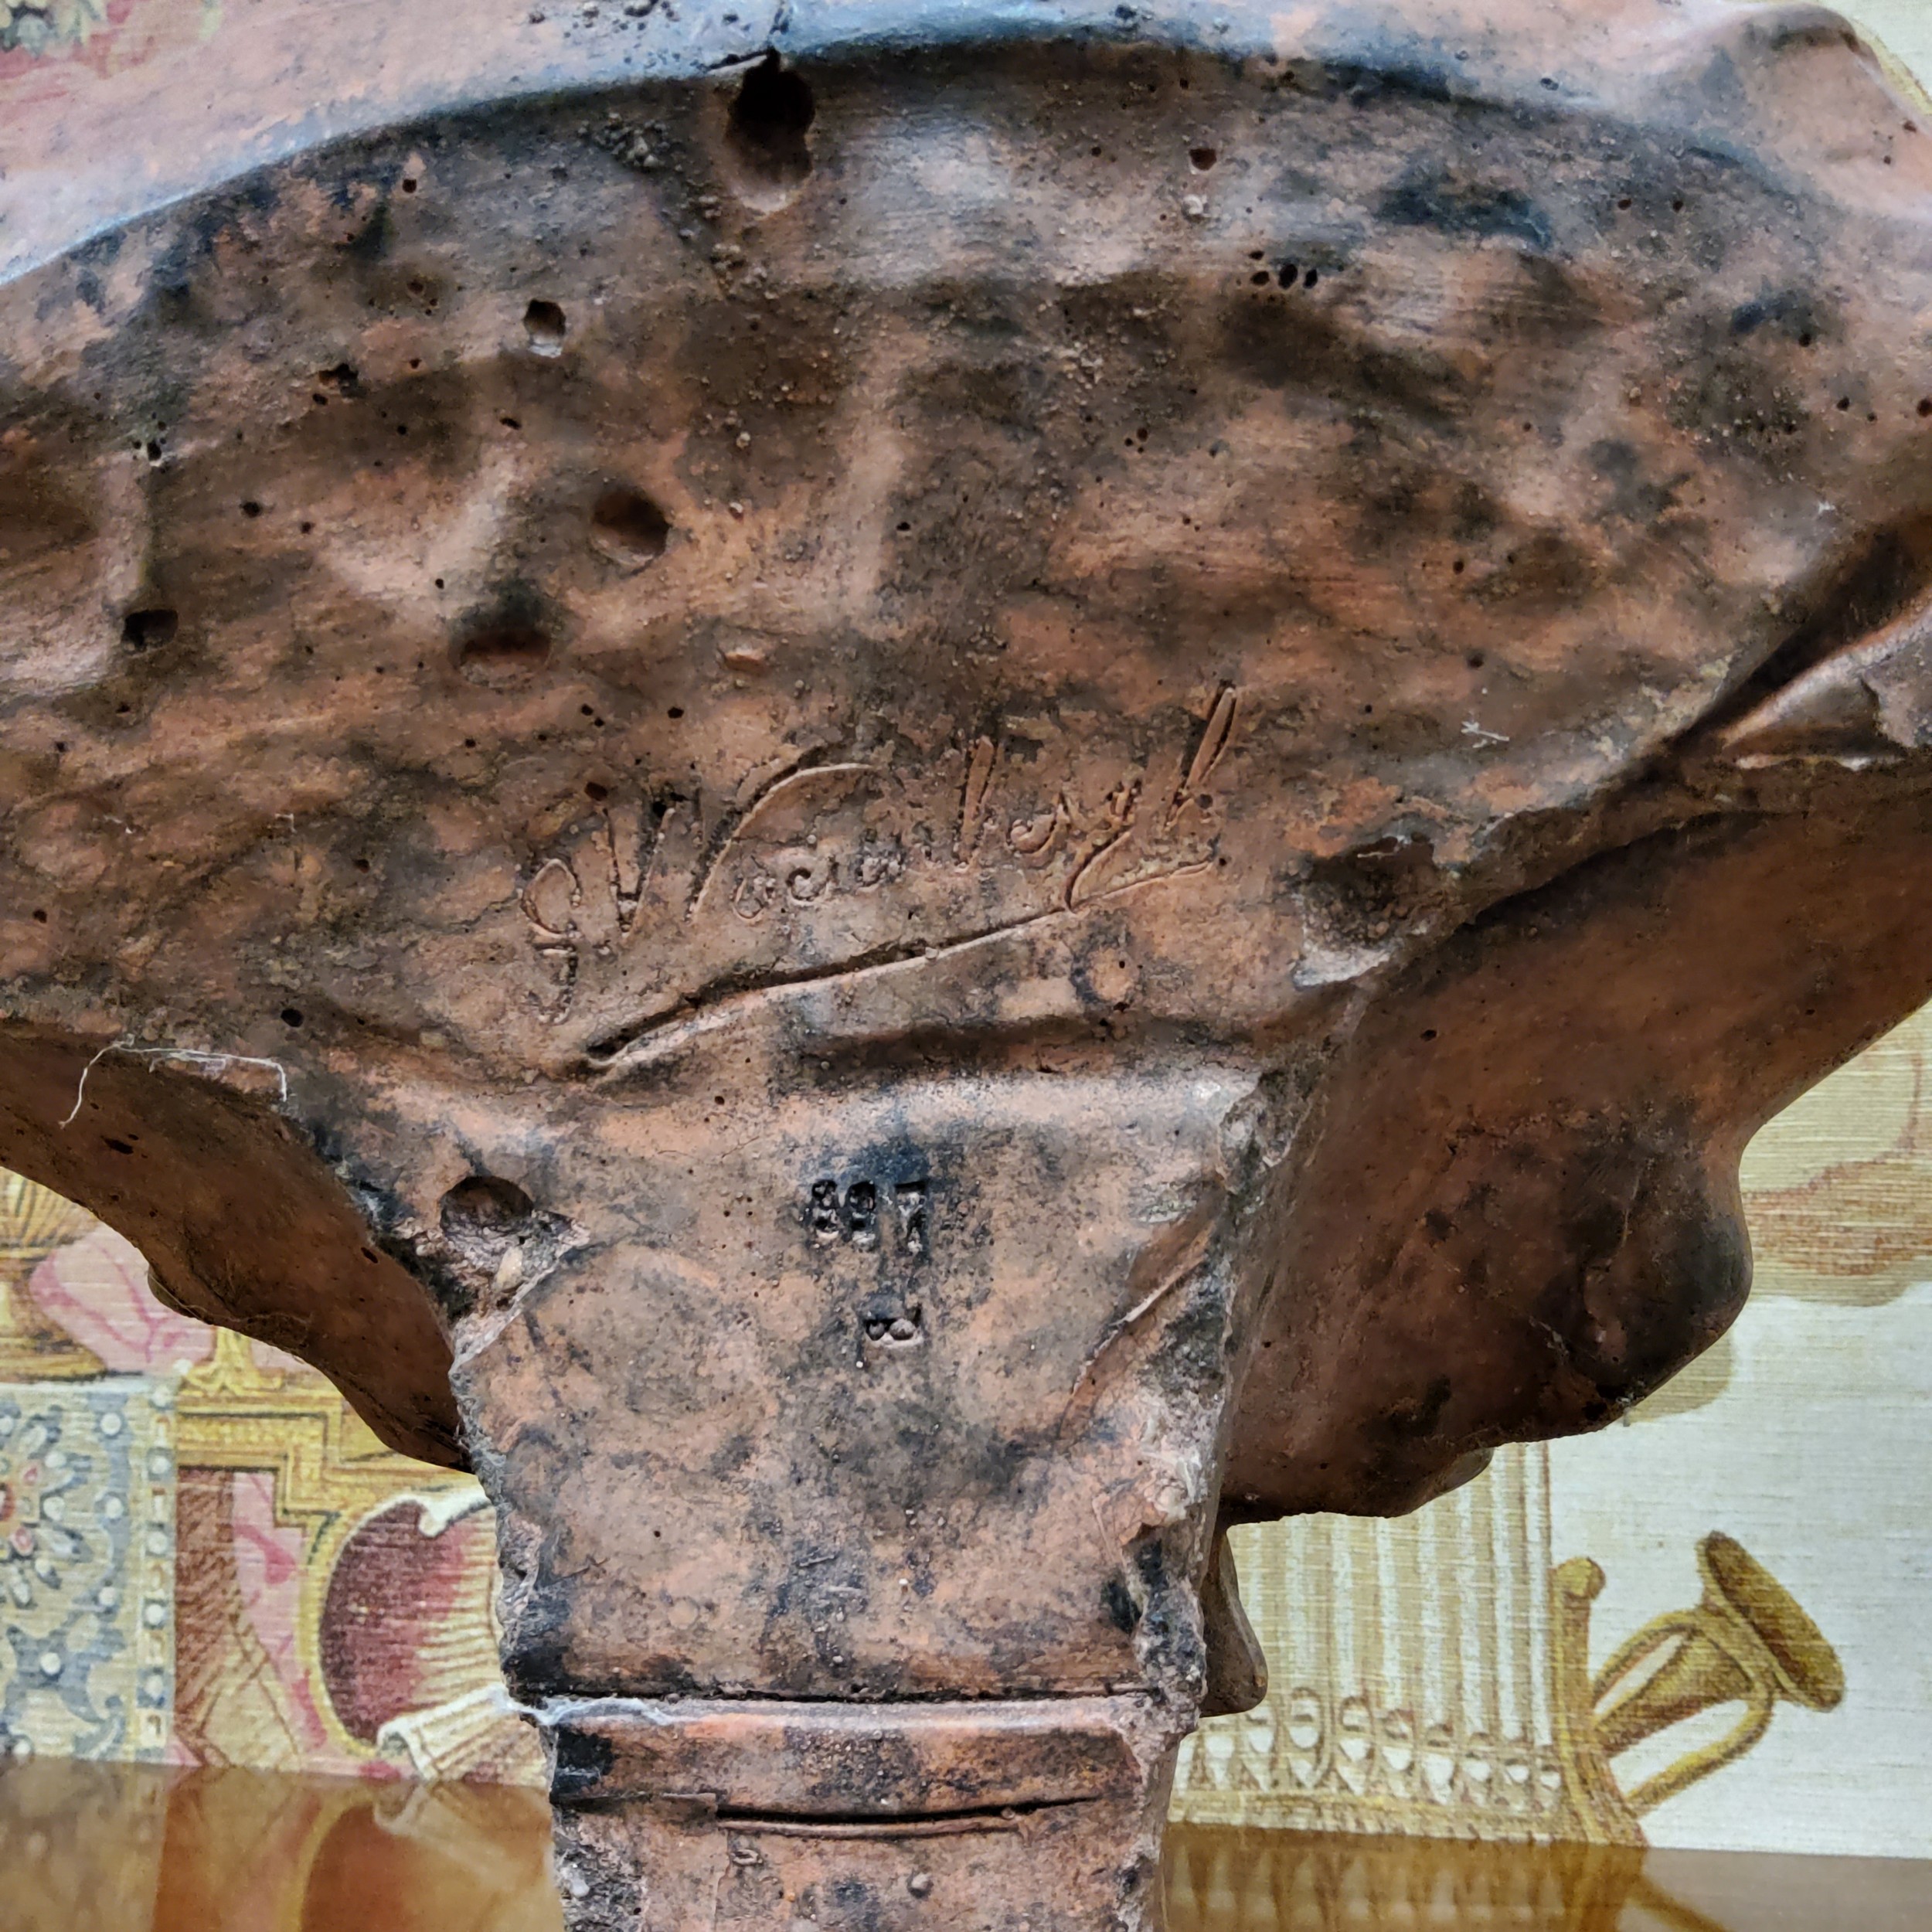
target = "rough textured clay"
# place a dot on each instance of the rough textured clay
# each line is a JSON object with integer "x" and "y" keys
{"x": 908, "y": 802}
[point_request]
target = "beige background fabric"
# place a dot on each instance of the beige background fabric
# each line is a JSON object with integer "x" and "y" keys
{"x": 1903, "y": 27}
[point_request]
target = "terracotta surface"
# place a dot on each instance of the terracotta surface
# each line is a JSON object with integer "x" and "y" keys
{"x": 905, "y": 800}
{"x": 118, "y": 1849}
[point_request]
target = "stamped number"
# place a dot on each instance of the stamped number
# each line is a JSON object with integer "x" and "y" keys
{"x": 866, "y": 1215}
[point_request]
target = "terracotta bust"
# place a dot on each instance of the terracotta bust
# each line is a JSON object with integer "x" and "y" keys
{"x": 907, "y": 800}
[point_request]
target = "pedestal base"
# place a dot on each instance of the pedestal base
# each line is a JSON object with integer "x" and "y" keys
{"x": 1042, "y": 1816}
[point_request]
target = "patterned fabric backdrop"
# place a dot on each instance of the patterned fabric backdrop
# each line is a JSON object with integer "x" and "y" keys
{"x": 1705, "y": 1626}
{"x": 206, "y": 1557}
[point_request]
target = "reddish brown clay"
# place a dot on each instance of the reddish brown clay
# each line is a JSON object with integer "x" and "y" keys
{"x": 905, "y": 800}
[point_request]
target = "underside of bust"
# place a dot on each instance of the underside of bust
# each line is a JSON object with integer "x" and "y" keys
{"x": 906, "y": 804}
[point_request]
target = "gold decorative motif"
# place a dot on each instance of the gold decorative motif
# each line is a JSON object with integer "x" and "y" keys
{"x": 331, "y": 1473}
{"x": 1602, "y": 1811}
{"x": 1410, "y": 1676}
{"x": 34, "y": 1221}
{"x": 326, "y": 1461}
{"x": 1746, "y": 1641}
{"x": 1430, "y": 1677}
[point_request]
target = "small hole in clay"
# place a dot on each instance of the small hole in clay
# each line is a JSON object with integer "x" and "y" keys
{"x": 771, "y": 115}
{"x": 1925, "y": 405}
{"x": 39, "y": 917}
{"x": 1202, "y": 158}
{"x": 676, "y": 711}
{"x": 291, "y": 1016}
{"x": 596, "y": 793}
{"x": 1288, "y": 275}
{"x": 484, "y": 1211}
{"x": 148, "y": 630}
{"x": 251, "y": 509}
{"x": 629, "y": 525}
{"x": 543, "y": 323}
{"x": 409, "y": 184}
{"x": 502, "y": 650}
{"x": 1260, "y": 278}
{"x": 1310, "y": 278}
